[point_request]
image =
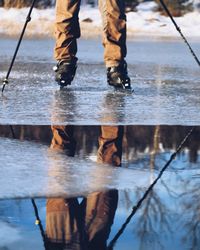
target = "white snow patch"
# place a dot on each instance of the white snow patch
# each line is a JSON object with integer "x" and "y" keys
{"x": 149, "y": 6}
{"x": 144, "y": 22}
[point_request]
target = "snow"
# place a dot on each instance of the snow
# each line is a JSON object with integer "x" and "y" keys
{"x": 144, "y": 22}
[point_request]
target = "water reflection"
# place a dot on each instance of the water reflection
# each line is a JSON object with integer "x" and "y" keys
{"x": 110, "y": 142}
{"x": 84, "y": 225}
{"x": 168, "y": 216}
{"x": 87, "y": 225}
{"x": 114, "y": 108}
{"x": 137, "y": 140}
{"x": 63, "y": 108}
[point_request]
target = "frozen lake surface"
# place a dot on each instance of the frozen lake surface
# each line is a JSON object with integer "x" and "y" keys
{"x": 31, "y": 168}
{"x": 75, "y": 189}
{"x": 166, "y": 219}
{"x": 42, "y": 172}
{"x": 164, "y": 76}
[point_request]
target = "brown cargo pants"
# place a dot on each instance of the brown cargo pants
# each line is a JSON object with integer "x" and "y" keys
{"x": 67, "y": 30}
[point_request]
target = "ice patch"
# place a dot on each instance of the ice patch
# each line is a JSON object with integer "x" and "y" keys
{"x": 52, "y": 173}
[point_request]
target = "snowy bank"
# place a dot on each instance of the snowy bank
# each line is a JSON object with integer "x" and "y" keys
{"x": 144, "y": 22}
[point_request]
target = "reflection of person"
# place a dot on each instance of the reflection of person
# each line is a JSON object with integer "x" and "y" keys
{"x": 85, "y": 225}
{"x": 67, "y": 31}
{"x": 63, "y": 139}
{"x": 110, "y": 142}
{"x": 80, "y": 226}
{"x": 110, "y": 145}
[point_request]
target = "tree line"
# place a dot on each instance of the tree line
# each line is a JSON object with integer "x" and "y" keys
{"x": 177, "y": 7}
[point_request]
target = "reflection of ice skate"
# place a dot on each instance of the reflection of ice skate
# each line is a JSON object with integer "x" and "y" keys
{"x": 63, "y": 107}
{"x": 113, "y": 108}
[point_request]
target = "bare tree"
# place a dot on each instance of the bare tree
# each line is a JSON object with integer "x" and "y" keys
{"x": 176, "y": 7}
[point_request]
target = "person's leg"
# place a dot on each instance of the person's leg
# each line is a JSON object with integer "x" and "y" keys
{"x": 63, "y": 139}
{"x": 67, "y": 31}
{"x": 114, "y": 41}
{"x": 114, "y": 31}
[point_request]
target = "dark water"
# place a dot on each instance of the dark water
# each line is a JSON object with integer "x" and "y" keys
{"x": 83, "y": 204}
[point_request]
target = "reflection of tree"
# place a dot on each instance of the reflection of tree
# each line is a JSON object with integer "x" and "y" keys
{"x": 156, "y": 141}
{"x": 153, "y": 223}
{"x": 191, "y": 208}
{"x": 153, "y": 213}
{"x": 156, "y": 212}
{"x": 193, "y": 232}
{"x": 137, "y": 139}
{"x": 155, "y": 151}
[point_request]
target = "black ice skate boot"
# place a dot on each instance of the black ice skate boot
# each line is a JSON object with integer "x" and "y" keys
{"x": 117, "y": 76}
{"x": 65, "y": 72}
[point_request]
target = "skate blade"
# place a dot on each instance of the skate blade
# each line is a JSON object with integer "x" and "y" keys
{"x": 63, "y": 83}
{"x": 122, "y": 87}
{"x": 125, "y": 90}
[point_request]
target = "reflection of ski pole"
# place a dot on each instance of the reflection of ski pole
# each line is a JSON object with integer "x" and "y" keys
{"x": 179, "y": 30}
{"x": 28, "y": 19}
{"x": 150, "y": 188}
{"x": 39, "y": 223}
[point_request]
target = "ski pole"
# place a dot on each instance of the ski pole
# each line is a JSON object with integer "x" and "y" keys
{"x": 28, "y": 19}
{"x": 179, "y": 30}
{"x": 39, "y": 223}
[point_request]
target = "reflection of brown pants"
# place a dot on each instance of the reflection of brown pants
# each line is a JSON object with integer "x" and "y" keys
{"x": 81, "y": 226}
{"x": 67, "y": 30}
{"x": 110, "y": 142}
{"x": 110, "y": 145}
{"x": 86, "y": 225}
{"x": 63, "y": 139}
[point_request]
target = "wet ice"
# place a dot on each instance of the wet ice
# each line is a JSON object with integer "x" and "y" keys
{"x": 32, "y": 168}
{"x": 166, "y": 87}
{"x": 35, "y": 170}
